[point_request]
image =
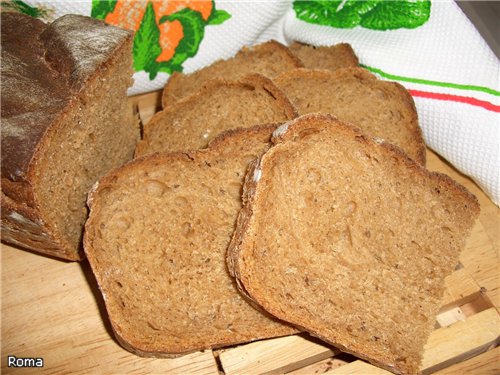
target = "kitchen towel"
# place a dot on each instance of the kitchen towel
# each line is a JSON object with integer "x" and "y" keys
{"x": 430, "y": 47}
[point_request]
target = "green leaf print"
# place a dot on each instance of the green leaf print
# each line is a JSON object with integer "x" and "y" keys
{"x": 22, "y": 7}
{"x": 100, "y": 8}
{"x": 194, "y": 30}
{"x": 389, "y": 15}
{"x": 371, "y": 14}
{"x": 147, "y": 44}
{"x": 218, "y": 16}
{"x": 337, "y": 13}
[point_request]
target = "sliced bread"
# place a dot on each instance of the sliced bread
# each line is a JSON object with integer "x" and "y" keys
{"x": 269, "y": 59}
{"x": 345, "y": 236}
{"x": 325, "y": 57}
{"x": 380, "y": 108}
{"x": 220, "y": 105}
{"x": 156, "y": 240}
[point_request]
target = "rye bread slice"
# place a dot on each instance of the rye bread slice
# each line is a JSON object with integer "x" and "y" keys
{"x": 218, "y": 106}
{"x": 346, "y": 237}
{"x": 269, "y": 59}
{"x": 380, "y": 108}
{"x": 156, "y": 240}
{"x": 325, "y": 57}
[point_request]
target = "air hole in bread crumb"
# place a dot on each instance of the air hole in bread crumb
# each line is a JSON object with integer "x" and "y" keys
{"x": 307, "y": 132}
{"x": 153, "y": 326}
{"x": 350, "y": 208}
{"x": 187, "y": 229}
{"x": 121, "y": 224}
{"x": 360, "y": 138}
{"x": 155, "y": 188}
{"x": 181, "y": 201}
{"x": 313, "y": 175}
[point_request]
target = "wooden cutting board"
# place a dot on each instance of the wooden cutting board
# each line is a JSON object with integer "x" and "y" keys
{"x": 53, "y": 310}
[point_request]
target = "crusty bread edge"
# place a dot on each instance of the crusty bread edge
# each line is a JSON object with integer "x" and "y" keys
{"x": 251, "y": 191}
{"x": 168, "y": 99}
{"x": 345, "y": 48}
{"x": 250, "y": 81}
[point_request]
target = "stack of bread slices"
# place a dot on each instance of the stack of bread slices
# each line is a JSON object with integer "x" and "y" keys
{"x": 279, "y": 191}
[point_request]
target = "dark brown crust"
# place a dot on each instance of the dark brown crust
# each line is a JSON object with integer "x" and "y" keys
{"x": 365, "y": 75}
{"x": 228, "y": 135}
{"x": 225, "y": 139}
{"x": 169, "y": 96}
{"x": 305, "y": 73}
{"x": 340, "y": 50}
{"x": 252, "y": 191}
{"x": 50, "y": 91}
{"x": 250, "y": 81}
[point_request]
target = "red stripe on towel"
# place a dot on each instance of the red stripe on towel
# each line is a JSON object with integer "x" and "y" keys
{"x": 456, "y": 98}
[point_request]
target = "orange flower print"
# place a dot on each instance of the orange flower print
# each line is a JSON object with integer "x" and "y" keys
{"x": 167, "y": 32}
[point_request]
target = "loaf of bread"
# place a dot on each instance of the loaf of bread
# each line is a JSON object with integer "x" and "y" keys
{"x": 348, "y": 238}
{"x": 380, "y": 108}
{"x": 218, "y": 106}
{"x": 325, "y": 57}
{"x": 65, "y": 122}
{"x": 156, "y": 240}
{"x": 269, "y": 59}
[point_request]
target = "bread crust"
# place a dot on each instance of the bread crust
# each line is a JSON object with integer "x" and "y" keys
{"x": 171, "y": 92}
{"x": 332, "y": 57}
{"x": 43, "y": 59}
{"x": 254, "y": 191}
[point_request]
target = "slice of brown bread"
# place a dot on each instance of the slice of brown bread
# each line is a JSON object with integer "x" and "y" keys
{"x": 220, "y": 105}
{"x": 325, "y": 57}
{"x": 65, "y": 122}
{"x": 345, "y": 236}
{"x": 156, "y": 239}
{"x": 269, "y": 59}
{"x": 380, "y": 108}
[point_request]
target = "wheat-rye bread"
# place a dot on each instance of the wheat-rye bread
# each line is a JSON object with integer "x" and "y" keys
{"x": 156, "y": 240}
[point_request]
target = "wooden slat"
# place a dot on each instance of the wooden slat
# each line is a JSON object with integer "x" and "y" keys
{"x": 147, "y": 105}
{"x": 461, "y": 340}
{"x": 449, "y": 317}
{"x": 360, "y": 368}
{"x": 273, "y": 356}
{"x": 320, "y": 367}
{"x": 487, "y": 363}
{"x": 460, "y": 288}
